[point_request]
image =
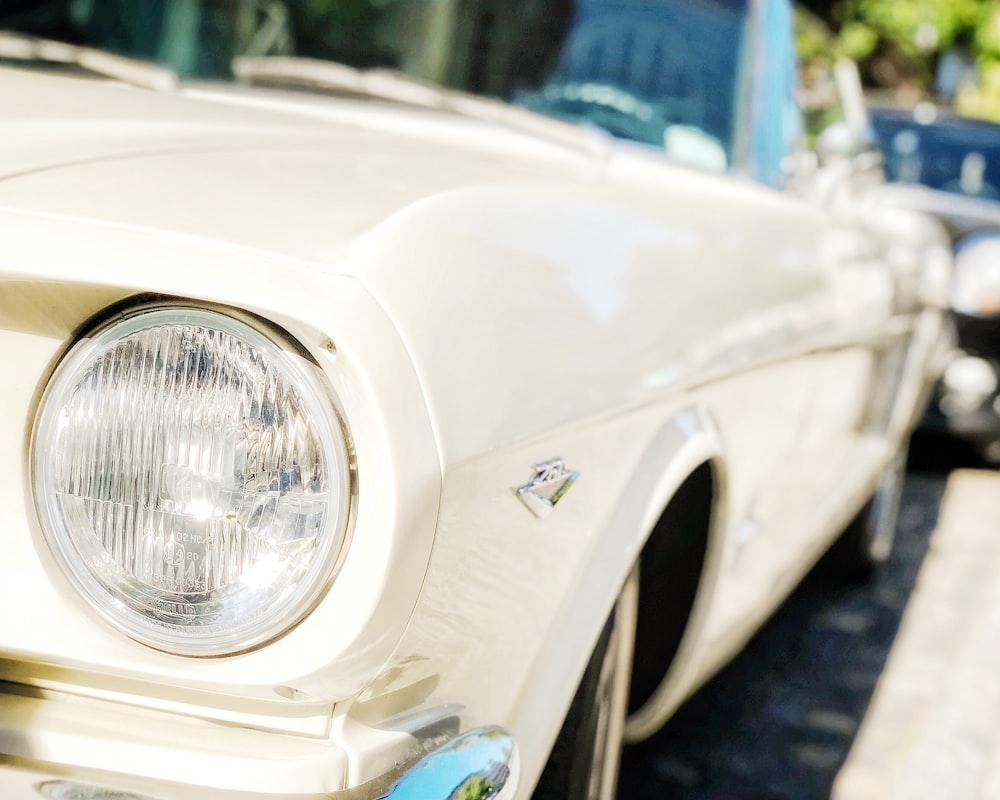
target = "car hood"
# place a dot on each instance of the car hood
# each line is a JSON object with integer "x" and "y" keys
{"x": 293, "y": 174}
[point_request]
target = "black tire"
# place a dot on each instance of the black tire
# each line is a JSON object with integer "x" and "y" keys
{"x": 867, "y": 541}
{"x": 585, "y": 755}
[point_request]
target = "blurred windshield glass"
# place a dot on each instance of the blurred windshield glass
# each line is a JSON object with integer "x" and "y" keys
{"x": 633, "y": 68}
{"x": 943, "y": 152}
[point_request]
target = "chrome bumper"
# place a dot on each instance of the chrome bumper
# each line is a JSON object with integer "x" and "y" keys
{"x": 479, "y": 765}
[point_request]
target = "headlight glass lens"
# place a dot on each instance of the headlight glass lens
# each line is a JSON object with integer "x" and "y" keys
{"x": 192, "y": 477}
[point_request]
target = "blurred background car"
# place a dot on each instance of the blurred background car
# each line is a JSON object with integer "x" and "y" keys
{"x": 949, "y": 166}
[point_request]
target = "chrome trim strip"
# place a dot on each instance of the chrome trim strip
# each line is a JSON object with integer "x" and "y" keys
{"x": 145, "y": 74}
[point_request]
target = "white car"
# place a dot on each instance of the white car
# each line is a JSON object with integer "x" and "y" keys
{"x": 363, "y": 437}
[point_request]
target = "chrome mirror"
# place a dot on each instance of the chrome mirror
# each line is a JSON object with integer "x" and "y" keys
{"x": 841, "y": 142}
{"x": 850, "y": 144}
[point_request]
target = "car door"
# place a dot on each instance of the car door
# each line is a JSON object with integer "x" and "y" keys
{"x": 854, "y": 347}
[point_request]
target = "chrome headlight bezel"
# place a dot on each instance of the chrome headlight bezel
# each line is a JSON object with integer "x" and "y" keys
{"x": 164, "y": 619}
{"x": 975, "y": 287}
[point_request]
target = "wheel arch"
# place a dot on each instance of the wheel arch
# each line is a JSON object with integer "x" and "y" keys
{"x": 685, "y": 443}
{"x": 682, "y": 543}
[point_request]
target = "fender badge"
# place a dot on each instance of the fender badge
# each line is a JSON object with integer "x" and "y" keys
{"x": 546, "y": 487}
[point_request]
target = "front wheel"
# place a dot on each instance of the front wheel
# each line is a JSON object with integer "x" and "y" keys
{"x": 584, "y": 761}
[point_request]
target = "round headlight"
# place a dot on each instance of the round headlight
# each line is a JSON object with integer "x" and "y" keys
{"x": 976, "y": 289}
{"x": 192, "y": 477}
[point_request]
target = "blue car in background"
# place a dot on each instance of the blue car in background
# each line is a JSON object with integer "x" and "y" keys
{"x": 949, "y": 166}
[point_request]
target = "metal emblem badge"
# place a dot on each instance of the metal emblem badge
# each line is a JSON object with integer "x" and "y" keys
{"x": 546, "y": 487}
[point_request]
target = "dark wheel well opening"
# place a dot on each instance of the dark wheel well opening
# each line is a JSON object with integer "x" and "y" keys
{"x": 670, "y": 569}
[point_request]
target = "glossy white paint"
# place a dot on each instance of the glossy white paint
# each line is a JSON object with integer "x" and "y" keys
{"x": 495, "y": 299}
{"x": 84, "y": 735}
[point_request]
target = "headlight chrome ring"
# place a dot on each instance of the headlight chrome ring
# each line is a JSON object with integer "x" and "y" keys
{"x": 193, "y": 478}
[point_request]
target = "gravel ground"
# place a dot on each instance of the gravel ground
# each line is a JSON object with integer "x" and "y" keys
{"x": 778, "y": 723}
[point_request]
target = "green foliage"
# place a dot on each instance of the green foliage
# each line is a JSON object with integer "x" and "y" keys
{"x": 813, "y": 39}
{"x": 475, "y": 788}
{"x": 987, "y": 37}
{"x": 856, "y": 40}
{"x": 906, "y": 37}
{"x": 915, "y": 27}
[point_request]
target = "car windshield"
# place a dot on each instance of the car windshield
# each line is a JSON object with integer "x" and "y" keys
{"x": 633, "y": 68}
{"x": 952, "y": 154}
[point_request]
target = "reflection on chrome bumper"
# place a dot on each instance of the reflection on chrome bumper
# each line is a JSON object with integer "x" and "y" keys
{"x": 479, "y": 765}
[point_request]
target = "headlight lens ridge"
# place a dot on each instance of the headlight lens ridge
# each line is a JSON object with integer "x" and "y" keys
{"x": 192, "y": 477}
